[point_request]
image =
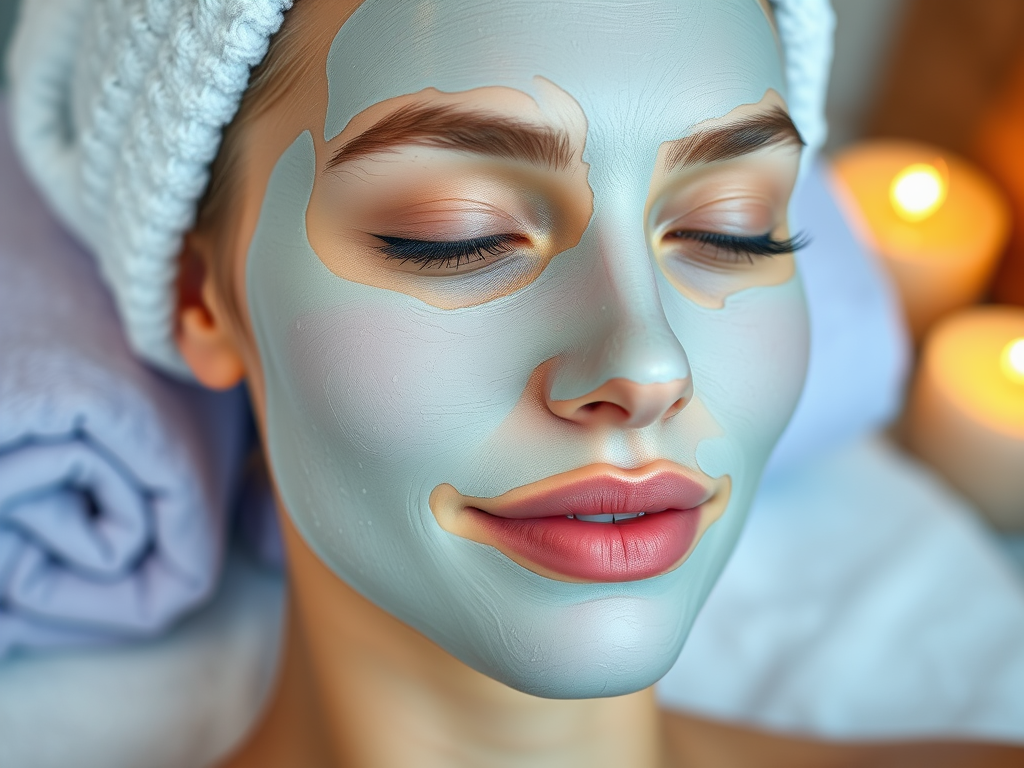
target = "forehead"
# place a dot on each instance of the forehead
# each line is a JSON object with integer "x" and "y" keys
{"x": 653, "y": 68}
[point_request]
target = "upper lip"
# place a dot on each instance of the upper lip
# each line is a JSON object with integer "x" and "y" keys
{"x": 600, "y": 489}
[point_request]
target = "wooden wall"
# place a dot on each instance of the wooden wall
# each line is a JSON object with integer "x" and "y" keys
{"x": 955, "y": 77}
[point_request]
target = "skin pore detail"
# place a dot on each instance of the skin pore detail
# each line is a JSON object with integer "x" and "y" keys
{"x": 376, "y": 391}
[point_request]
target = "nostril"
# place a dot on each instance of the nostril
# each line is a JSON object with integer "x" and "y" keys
{"x": 624, "y": 403}
{"x": 681, "y": 402}
{"x": 676, "y": 407}
{"x": 604, "y": 408}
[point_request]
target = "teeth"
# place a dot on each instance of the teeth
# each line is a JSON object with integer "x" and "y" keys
{"x": 609, "y": 518}
{"x": 628, "y": 516}
{"x": 596, "y": 518}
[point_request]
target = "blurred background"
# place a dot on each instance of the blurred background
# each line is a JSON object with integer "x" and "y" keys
{"x": 7, "y": 9}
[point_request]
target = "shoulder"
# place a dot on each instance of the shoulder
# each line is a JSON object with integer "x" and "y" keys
{"x": 694, "y": 741}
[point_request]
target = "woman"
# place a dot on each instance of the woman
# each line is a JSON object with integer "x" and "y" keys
{"x": 512, "y": 288}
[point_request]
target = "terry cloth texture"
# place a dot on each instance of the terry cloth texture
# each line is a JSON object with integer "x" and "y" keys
{"x": 118, "y": 108}
{"x": 114, "y": 480}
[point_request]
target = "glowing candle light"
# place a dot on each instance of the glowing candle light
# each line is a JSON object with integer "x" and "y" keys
{"x": 937, "y": 222}
{"x": 918, "y": 191}
{"x": 966, "y": 410}
{"x": 1013, "y": 361}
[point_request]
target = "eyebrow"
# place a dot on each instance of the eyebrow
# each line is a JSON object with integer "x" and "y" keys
{"x": 740, "y": 137}
{"x": 448, "y": 127}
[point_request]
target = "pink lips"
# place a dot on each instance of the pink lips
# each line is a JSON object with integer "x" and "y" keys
{"x": 606, "y": 490}
{"x": 530, "y": 523}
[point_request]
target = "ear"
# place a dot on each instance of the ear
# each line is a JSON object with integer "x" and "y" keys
{"x": 202, "y": 331}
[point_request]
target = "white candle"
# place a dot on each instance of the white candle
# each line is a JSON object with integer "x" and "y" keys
{"x": 966, "y": 411}
{"x": 938, "y": 223}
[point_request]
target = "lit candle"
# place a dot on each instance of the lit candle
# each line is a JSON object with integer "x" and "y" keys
{"x": 1012, "y": 361}
{"x": 937, "y": 222}
{"x": 966, "y": 411}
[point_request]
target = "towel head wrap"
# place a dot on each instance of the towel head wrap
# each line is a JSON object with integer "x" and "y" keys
{"x": 118, "y": 108}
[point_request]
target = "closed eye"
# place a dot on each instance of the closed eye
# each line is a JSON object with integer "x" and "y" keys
{"x": 737, "y": 248}
{"x": 446, "y": 254}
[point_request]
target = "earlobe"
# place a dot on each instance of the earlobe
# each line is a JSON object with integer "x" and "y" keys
{"x": 202, "y": 333}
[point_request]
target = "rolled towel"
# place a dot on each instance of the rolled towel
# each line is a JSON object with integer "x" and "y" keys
{"x": 114, "y": 480}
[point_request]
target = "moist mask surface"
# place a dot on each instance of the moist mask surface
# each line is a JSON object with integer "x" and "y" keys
{"x": 378, "y": 396}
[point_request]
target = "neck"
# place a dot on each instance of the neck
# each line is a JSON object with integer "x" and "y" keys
{"x": 358, "y": 687}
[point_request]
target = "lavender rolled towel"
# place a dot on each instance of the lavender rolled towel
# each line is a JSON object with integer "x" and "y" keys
{"x": 114, "y": 480}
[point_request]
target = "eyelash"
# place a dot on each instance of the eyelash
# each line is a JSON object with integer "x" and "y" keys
{"x": 746, "y": 247}
{"x": 449, "y": 254}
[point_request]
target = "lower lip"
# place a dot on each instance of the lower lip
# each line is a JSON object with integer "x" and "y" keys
{"x": 633, "y": 549}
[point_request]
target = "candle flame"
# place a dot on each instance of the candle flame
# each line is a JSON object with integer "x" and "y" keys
{"x": 918, "y": 191}
{"x": 1013, "y": 360}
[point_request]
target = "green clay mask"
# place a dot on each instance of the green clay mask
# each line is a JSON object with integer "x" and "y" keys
{"x": 539, "y": 312}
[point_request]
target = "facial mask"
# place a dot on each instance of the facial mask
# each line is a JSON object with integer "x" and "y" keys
{"x": 376, "y": 398}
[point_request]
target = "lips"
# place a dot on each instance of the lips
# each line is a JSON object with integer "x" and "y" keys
{"x": 596, "y": 524}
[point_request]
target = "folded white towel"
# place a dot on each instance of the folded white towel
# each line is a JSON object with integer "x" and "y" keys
{"x": 117, "y": 109}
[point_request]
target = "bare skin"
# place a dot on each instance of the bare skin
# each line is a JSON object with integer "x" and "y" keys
{"x": 356, "y": 686}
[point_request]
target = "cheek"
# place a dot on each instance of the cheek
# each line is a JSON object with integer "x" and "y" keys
{"x": 710, "y": 285}
{"x": 749, "y": 360}
{"x": 406, "y": 384}
{"x": 388, "y": 383}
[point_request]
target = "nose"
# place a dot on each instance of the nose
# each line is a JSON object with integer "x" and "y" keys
{"x": 627, "y": 369}
{"x": 626, "y": 404}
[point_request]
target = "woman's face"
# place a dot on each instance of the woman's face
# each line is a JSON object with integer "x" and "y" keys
{"x": 524, "y": 346}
